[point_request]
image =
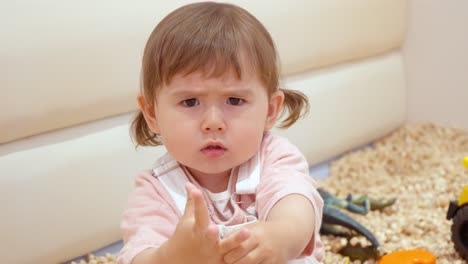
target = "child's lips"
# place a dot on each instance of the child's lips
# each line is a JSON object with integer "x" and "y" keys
{"x": 213, "y": 150}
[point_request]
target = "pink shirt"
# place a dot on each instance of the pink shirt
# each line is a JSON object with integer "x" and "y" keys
{"x": 157, "y": 202}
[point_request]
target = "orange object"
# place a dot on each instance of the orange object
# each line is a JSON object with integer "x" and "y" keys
{"x": 415, "y": 256}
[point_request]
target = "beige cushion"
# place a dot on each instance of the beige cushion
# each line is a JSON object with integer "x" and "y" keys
{"x": 67, "y": 63}
{"x": 66, "y": 199}
{"x": 350, "y": 106}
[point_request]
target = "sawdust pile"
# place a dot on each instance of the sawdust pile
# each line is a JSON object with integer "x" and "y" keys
{"x": 421, "y": 165}
{"x": 418, "y": 164}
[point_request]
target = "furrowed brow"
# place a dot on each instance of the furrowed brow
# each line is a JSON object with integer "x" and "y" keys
{"x": 245, "y": 92}
{"x": 184, "y": 93}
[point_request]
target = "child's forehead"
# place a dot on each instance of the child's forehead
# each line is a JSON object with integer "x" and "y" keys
{"x": 202, "y": 80}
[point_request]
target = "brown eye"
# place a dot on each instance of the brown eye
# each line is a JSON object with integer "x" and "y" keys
{"x": 235, "y": 101}
{"x": 190, "y": 102}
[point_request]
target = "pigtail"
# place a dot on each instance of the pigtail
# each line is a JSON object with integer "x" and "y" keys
{"x": 296, "y": 104}
{"x": 142, "y": 134}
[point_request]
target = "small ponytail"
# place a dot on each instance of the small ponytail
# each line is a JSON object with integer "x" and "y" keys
{"x": 296, "y": 104}
{"x": 142, "y": 134}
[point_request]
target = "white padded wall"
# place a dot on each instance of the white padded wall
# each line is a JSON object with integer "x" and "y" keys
{"x": 65, "y": 63}
{"x": 64, "y": 200}
{"x": 350, "y": 105}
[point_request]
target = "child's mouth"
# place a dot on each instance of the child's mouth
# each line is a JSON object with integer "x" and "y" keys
{"x": 214, "y": 151}
{"x": 214, "y": 147}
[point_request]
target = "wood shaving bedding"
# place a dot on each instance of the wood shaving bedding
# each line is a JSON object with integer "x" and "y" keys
{"x": 420, "y": 164}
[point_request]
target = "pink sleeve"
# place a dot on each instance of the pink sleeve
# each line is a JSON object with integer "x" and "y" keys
{"x": 285, "y": 171}
{"x": 148, "y": 220}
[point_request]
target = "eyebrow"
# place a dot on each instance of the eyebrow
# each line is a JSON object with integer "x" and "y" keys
{"x": 182, "y": 93}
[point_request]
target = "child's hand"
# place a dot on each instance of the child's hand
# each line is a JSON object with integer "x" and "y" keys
{"x": 195, "y": 238}
{"x": 254, "y": 244}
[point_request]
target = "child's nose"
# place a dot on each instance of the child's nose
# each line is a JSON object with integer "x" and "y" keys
{"x": 214, "y": 120}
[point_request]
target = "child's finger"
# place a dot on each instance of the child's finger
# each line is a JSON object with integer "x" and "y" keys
{"x": 233, "y": 240}
{"x": 189, "y": 206}
{"x": 202, "y": 218}
{"x": 212, "y": 233}
{"x": 244, "y": 249}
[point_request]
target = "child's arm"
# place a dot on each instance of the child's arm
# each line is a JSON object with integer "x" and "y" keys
{"x": 285, "y": 234}
{"x": 294, "y": 219}
{"x": 288, "y": 206}
{"x": 194, "y": 240}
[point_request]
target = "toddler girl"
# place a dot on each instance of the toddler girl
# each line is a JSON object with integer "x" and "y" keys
{"x": 227, "y": 191}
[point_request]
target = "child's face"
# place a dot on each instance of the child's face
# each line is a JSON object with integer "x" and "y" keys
{"x": 212, "y": 125}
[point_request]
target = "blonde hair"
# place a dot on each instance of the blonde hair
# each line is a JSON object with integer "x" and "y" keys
{"x": 210, "y": 37}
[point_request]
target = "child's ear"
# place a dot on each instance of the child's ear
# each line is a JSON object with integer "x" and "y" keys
{"x": 148, "y": 111}
{"x": 274, "y": 109}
